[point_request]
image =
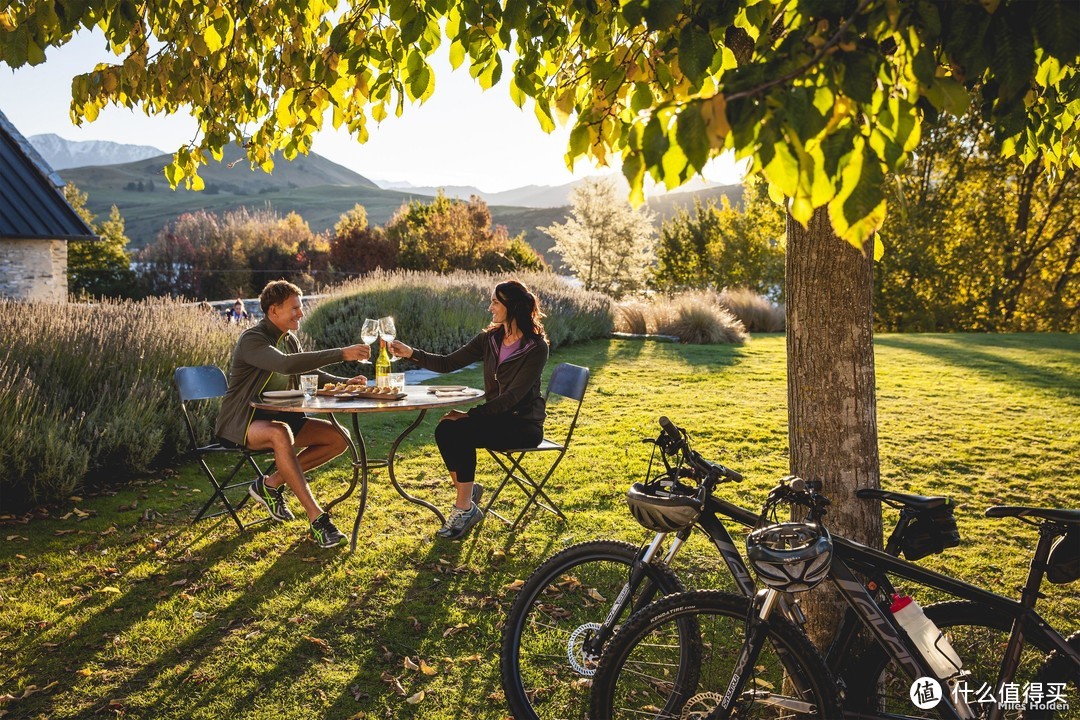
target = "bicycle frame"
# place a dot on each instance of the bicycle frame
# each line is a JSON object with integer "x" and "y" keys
{"x": 878, "y": 565}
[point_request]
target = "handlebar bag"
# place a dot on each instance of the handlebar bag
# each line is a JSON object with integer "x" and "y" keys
{"x": 1064, "y": 564}
{"x": 930, "y": 532}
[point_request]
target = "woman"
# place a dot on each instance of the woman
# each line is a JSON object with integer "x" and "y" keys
{"x": 514, "y": 350}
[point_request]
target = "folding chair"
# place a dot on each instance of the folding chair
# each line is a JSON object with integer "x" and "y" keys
{"x": 206, "y": 382}
{"x": 567, "y": 381}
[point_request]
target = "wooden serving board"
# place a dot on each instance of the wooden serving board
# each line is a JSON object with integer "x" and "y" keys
{"x": 369, "y": 394}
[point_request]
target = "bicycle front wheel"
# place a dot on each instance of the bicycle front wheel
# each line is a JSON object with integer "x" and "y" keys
{"x": 546, "y": 671}
{"x": 644, "y": 672}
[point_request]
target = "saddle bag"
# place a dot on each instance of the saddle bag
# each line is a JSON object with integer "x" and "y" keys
{"x": 1063, "y": 566}
{"x": 931, "y": 532}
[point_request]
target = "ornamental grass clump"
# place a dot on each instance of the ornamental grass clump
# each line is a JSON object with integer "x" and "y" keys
{"x": 696, "y": 317}
{"x": 757, "y": 313}
{"x": 89, "y": 390}
{"x": 440, "y": 313}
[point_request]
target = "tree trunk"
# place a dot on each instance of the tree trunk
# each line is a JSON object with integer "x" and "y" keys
{"x": 832, "y": 409}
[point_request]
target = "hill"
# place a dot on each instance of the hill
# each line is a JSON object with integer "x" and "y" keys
{"x": 317, "y": 189}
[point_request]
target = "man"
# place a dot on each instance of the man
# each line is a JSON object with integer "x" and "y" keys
{"x": 268, "y": 356}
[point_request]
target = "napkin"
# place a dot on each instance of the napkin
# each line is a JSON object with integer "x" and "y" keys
{"x": 468, "y": 392}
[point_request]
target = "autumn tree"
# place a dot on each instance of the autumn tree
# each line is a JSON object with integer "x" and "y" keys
{"x": 606, "y": 243}
{"x": 447, "y": 234}
{"x": 725, "y": 246}
{"x": 357, "y": 248}
{"x": 979, "y": 242}
{"x": 102, "y": 267}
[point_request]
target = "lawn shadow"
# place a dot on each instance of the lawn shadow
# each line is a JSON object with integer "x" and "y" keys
{"x": 964, "y": 351}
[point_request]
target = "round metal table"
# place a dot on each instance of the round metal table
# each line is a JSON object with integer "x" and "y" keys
{"x": 418, "y": 397}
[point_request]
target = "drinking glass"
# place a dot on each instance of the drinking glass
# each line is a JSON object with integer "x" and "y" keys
{"x": 387, "y": 331}
{"x": 369, "y": 333}
{"x": 309, "y": 384}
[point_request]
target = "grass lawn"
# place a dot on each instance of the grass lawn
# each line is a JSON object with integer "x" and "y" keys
{"x": 115, "y": 605}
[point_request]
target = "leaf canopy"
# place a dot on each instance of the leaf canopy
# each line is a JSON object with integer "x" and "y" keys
{"x": 825, "y": 97}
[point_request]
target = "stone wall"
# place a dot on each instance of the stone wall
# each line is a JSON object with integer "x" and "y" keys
{"x": 34, "y": 270}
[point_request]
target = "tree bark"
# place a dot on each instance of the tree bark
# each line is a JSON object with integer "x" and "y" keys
{"x": 832, "y": 408}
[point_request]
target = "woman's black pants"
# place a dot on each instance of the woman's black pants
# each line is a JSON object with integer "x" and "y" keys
{"x": 459, "y": 439}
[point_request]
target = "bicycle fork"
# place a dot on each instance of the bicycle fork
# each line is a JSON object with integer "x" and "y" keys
{"x": 594, "y": 644}
{"x": 757, "y": 629}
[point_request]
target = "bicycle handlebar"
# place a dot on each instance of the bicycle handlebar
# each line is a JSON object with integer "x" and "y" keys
{"x": 676, "y": 441}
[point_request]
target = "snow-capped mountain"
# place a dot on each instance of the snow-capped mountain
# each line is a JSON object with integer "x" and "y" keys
{"x": 61, "y": 153}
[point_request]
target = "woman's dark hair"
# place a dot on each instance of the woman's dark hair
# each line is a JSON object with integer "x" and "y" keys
{"x": 522, "y": 307}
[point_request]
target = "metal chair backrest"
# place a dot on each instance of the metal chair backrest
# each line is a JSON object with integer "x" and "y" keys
{"x": 569, "y": 381}
{"x": 202, "y": 382}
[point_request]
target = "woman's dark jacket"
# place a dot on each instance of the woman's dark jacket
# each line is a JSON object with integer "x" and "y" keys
{"x": 510, "y": 387}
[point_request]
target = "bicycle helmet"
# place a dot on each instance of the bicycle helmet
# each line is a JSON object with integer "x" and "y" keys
{"x": 790, "y": 556}
{"x": 664, "y": 505}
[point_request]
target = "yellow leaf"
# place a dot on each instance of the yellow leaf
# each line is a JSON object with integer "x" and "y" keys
{"x": 110, "y": 589}
{"x": 84, "y": 672}
{"x": 426, "y": 669}
{"x": 65, "y": 602}
{"x": 414, "y": 699}
{"x": 516, "y": 585}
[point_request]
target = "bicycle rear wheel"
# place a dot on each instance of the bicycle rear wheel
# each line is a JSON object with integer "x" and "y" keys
{"x": 644, "y": 672}
{"x": 979, "y": 634}
{"x": 545, "y": 672}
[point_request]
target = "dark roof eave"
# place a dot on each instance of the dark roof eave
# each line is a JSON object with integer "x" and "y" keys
{"x": 66, "y": 238}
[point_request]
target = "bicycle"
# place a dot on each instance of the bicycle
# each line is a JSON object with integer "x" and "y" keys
{"x": 749, "y": 660}
{"x": 571, "y": 605}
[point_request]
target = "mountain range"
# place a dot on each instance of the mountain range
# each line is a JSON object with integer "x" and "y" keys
{"x": 62, "y": 154}
{"x": 314, "y": 187}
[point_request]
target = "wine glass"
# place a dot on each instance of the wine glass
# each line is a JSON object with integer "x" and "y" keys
{"x": 387, "y": 331}
{"x": 369, "y": 333}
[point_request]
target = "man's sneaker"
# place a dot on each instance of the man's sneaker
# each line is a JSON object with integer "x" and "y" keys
{"x": 272, "y": 499}
{"x": 325, "y": 533}
{"x": 459, "y": 522}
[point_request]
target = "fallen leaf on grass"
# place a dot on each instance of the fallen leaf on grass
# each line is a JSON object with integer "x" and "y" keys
{"x": 182, "y": 581}
{"x": 65, "y": 602}
{"x": 199, "y": 615}
{"x": 84, "y": 672}
{"x": 471, "y": 658}
{"x": 416, "y": 626}
{"x": 515, "y": 586}
{"x": 110, "y": 531}
{"x": 455, "y": 629}
{"x": 410, "y": 665}
{"x": 414, "y": 699}
{"x": 27, "y": 692}
{"x": 595, "y": 595}
{"x": 9, "y": 538}
{"x": 65, "y": 532}
{"x": 110, "y": 589}
{"x": 426, "y": 669}
{"x": 39, "y": 576}
{"x": 322, "y": 644}
{"x": 393, "y": 682}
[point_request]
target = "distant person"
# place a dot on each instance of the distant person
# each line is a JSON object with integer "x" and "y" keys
{"x": 237, "y": 313}
{"x": 514, "y": 350}
{"x": 268, "y": 356}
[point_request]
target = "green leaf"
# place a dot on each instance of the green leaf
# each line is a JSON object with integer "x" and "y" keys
{"x": 693, "y": 137}
{"x": 660, "y": 14}
{"x": 457, "y": 54}
{"x": 695, "y": 52}
{"x": 1057, "y": 27}
{"x": 633, "y": 169}
{"x": 579, "y": 141}
{"x": 858, "y": 81}
{"x": 858, "y": 209}
{"x": 642, "y": 98}
{"x": 956, "y": 97}
{"x": 654, "y": 143}
{"x": 783, "y": 168}
{"x": 1014, "y": 57}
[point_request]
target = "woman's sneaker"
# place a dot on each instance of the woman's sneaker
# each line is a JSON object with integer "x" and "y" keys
{"x": 273, "y": 499}
{"x": 460, "y": 522}
{"x": 325, "y": 533}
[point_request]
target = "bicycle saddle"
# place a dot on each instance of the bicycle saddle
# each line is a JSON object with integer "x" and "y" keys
{"x": 1071, "y": 517}
{"x": 918, "y": 503}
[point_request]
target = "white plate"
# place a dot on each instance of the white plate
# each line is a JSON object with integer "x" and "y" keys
{"x": 446, "y": 388}
{"x": 283, "y": 394}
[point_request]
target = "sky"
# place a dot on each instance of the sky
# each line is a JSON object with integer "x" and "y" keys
{"x": 460, "y": 136}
